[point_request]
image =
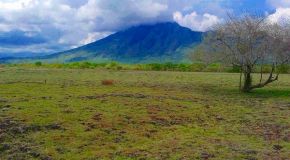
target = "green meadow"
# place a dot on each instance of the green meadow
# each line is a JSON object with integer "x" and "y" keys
{"x": 63, "y": 113}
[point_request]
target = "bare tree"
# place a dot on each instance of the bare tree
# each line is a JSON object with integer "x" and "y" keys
{"x": 249, "y": 42}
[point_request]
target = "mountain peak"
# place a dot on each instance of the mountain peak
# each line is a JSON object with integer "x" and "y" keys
{"x": 145, "y": 41}
{"x": 159, "y": 24}
{"x": 158, "y": 42}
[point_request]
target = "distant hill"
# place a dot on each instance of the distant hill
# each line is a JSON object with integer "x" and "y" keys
{"x": 145, "y": 43}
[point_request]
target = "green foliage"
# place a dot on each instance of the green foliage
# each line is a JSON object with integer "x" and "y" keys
{"x": 85, "y": 65}
{"x": 235, "y": 69}
{"x": 198, "y": 67}
{"x": 230, "y": 69}
{"x": 156, "y": 66}
{"x": 183, "y": 67}
{"x": 215, "y": 67}
{"x": 169, "y": 66}
{"x": 265, "y": 68}
{"x": 114, "y": 66}
{"x": 284, "y": 68}
{"x": 139, "y": 67}
{"x": 38, "y": 63}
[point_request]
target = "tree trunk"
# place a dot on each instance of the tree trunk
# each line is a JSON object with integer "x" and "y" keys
{"x": 247, "y": 82}
{"x": 241, "y": 77}
{"x": 247, "y": 87}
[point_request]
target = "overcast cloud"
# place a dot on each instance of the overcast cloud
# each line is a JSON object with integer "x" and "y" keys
{"x": 49, "y": 26}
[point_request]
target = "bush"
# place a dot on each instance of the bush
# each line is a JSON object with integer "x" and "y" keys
{"x": 74, "y": 65}
{"x": 215, "y": 67}
{"x": 234, "y": 69}
{"x": 169, "y": 66}
{"x": 183, "y": 67}
{"x": 156, "y": 67}
{"x": 38, "y": 64}
{"x": 55, "y": 65}
{"x": 266, "y": 69}
{"x": 85, "y": 65}
{"x": 197, "y": 67}
{"x": 284, "y": 68}
{"x": 113, "y": 65}
{"x": 139, "y": 67}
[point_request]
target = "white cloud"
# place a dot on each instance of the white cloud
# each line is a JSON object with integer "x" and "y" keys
{"x": 75, "y": 24}
{"x": 196, "y": 22}
{"x": 280, "y": 16}
{"x": 116, "y": 14}
{"x": 16, "y": 5}
{"x": 91, "y": 37}
{"x": 282, "y": 12}
{"x": 70, "y": 23}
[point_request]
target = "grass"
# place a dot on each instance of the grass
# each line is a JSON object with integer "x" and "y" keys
{"x": 69, "y": 114}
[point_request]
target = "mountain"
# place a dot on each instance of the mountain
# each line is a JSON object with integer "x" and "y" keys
{"x": 145, "y": 43}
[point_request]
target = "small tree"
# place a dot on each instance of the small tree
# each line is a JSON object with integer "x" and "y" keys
{"x": 249, "y": 42}
{"x": 38, "y": 63}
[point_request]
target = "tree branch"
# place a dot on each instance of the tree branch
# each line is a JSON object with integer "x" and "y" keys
{"x": 269, "y": 80}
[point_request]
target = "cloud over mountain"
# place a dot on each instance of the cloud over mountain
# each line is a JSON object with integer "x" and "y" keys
{"x": 71, "y": 24}
{"x": 65, "y": 24}
{"x": 196, "y": 22}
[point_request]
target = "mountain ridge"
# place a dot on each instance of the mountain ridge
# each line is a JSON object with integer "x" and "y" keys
{"x": 159, "y": 42}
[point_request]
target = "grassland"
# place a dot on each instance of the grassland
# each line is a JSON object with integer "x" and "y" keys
{"x": 68, "y": 114}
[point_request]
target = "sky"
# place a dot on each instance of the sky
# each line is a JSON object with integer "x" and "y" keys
{"x": 41, "y": 27}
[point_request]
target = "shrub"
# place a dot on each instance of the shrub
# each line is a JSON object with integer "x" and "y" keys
{"x": 139, "y": 67}
{"x": 234, "y": 69}
{"x": 74, "y": 65}
{"x": 182, "y": 67}
{"x": 84, "y": 65}
{"x": 169, "y": 66}
{"x": 197, "y": 67}
{"x": 284, "y": 68}
{"x": 265, "y": 69}
{"x": 119, "y": 67}
{"x": 112, "y": 65}
{"x": 215, "y": 67}
{"x": 38, "y": 64}
{"x": 156, "y": 66}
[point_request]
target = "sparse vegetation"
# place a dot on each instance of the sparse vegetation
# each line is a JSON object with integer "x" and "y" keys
{"x": 144, "y": 80}
{"x": 146, "y": 115}
{"x": 180, "y": 67}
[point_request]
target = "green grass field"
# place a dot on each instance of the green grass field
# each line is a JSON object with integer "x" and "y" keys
{"x": 144, "y": 115}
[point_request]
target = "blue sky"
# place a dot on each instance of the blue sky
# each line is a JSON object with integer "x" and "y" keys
{"x": 48, "y": 26}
